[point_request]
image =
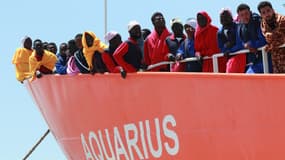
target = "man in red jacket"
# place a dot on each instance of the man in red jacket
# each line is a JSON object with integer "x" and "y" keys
{"x": 155, "y": 48}
{"x": 115, "y": 40}
{"x": 206, "y": 43}
{"x": 128, "y": 54}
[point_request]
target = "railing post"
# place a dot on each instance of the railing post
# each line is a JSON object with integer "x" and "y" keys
{"x": 265, "y": 61}
{"x": 215, "y": 63}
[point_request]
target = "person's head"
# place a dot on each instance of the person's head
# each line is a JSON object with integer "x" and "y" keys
{"x": 114, "y": 39}
{"x": 203, "y": 19}
{"x": 244, "y": 13}
{"x": 190, "y": 27}
{"x": 266, "y": 11}
{"x": 45, "y": 45}
{"x": 63, "y": 49}
{"x": 52, "y": 47}
{"x": 88, "y": 39}
{"x": 145, "y": 33}
{"x": 134, "y": 30}
{"x": 158, "y": 20}
{"x": 78, "y": 40}
{"x": 27, "y": 43}
{"x": 226, "y": 18}
{"x": 72, "y": 47}
{"x": 177, "y": 27}
{"x": 38, "y": 47}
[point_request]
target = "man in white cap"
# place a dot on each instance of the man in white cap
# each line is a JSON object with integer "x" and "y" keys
{"x": 173, "y": 42}
{"x": 115, "y": 40}
{"x": 186, "y": 49}
{"x": 128, "y": 54}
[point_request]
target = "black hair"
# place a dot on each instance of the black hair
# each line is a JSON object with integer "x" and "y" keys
{"x": 72, "y": 46}
{"x": 146, "y": 30}
{"x": 52, "y": 43}
{"x": 264, "y": 4}
{"x": 79, "y": 35}
{"x": 155, "y": 14}
{"x": 242, "y": 6}
{"x": 37, "y": 40}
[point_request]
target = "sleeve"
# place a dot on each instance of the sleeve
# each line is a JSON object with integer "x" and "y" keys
{"x": 278, "y": 36}
{"x": 15, "y": 57}
{"x": 119, "y": 57}
{"x": 181, "y": 49}
{"x": 220, "y": 42}
{"x": 60, "y": 67}
{"x": 20, "y": 75}
{"x": 238, "y": 45}
{"x": 34, "y": 65}
{"x": 109, "y": 62}
{"x": 49, "y": 60}
{"x": 260, "y": 42}
{"x": 213, "y": 43}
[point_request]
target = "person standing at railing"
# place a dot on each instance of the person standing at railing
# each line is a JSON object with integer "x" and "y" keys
{"x": 173, "y": 42}
{"x": 21, "y": 60}
{"x": 41, "y": 61}
{"x": 186, "y": 49}
{"x": 250, "y": 33}
{"x": 273, "y": 28}
{"x": 229, "y": 42}
{"x": 206, "y": 42}
{"x": 128, "y": 54}
{"x": 62, "y": 58}
{"x": 155, "y": 48}
{"x": 115, "y": 40}
{"x": 79, "y": 58}
{"x": 93, "y": 48}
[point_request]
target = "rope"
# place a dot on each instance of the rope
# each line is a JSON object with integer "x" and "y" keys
{"x": 36, "y": 145}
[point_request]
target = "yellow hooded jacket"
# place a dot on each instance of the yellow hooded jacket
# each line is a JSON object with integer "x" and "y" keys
{"x": 89, "y": 51}
{"x": 48, "y": 60}
{"x": 21, "y": 62}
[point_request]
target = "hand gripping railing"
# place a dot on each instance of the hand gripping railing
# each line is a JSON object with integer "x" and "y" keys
{"x": 190, "y": 59}
{"x": 244, "y": 51}
{"x": 215, "y": 59}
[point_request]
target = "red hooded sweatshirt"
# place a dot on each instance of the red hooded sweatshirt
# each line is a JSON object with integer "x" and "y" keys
{"x": 156, "y": 50}
{"x": 206, "y": 42}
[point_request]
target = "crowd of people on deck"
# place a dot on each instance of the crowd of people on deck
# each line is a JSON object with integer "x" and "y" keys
{"x": 87, "y": 54}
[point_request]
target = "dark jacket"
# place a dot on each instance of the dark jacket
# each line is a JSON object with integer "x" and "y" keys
{"x": 61, "y": 64}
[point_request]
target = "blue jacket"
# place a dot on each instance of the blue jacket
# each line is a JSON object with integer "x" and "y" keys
{"x": 233, "y": 38}
{"x": 61, "y": 64}
{"x": 251, "y": 33}
{"x": 187, "y": 50}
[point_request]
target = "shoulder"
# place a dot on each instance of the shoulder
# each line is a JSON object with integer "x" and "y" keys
{"x": 255, "y": 17}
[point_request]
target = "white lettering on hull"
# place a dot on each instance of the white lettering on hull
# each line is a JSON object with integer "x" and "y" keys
{"x": 144, "y": 140}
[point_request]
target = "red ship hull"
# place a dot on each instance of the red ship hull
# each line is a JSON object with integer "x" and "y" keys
{"x": 179, "y": 116}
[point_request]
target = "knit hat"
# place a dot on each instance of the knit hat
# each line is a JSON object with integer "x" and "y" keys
{"x": 110, "y": 35}
{"x": 175, "y": 20}
{"x": 132, "y": 24}
{"x": 191, "y": 22}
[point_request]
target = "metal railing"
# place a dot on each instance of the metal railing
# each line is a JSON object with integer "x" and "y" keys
{"x": 244, "y": 51}
{"x": 215, "y": 59}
